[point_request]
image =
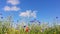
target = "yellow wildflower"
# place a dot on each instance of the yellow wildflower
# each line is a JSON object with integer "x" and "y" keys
{"x": 54, "y": 32}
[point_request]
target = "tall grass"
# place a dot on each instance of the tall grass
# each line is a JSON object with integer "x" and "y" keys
{"x": 6, "y": 27}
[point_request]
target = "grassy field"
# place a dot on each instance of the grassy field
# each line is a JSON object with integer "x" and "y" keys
{"x": 6, "y": 27}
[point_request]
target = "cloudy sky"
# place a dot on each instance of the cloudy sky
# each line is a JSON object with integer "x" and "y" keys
{"x": 42, "y": 10}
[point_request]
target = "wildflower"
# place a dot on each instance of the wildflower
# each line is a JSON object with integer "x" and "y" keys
{"x": 24, "y": 26}
{"x": 33, "y": 20}
{"x": 6, "y": 33}
{"x": 36, "y": 21}
{"x": 16, "y": 30}
{"x": 42, "y": 30}
{"x": 1, "y": 17}
{"x": 27, "y": 29}
{"x": 54, "y": 32}
{"x": 56, "y": 17}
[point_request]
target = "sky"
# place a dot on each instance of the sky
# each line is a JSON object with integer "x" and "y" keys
{"x": 42, "y": 10}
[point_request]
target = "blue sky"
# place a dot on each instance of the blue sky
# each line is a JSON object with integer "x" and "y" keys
{"x": 42, "y": 10}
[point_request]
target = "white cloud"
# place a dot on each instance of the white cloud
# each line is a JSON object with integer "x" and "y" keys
{"x": 25, "y": 14}
{"x": 28, "y": 13}
{"x": 13, "y": 8}
{"x": 7, "y": 8}
{"x": 13, "y": 2}
{"x": 33, "y": 14}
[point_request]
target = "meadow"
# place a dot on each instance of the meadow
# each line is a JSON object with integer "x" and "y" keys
{"x": 6, "y": 27}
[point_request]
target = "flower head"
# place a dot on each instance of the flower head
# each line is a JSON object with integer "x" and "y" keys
{"x": 27, "y": 29}
{"x": 56, "y": 17}
{"x": 42, "y": 30}
{"x": 1, "y": 17}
